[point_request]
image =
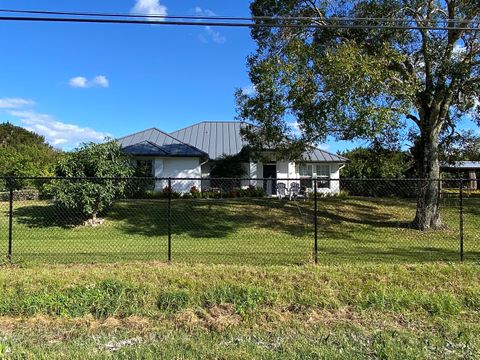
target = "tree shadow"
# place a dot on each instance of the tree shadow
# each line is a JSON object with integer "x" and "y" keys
{"x": 44, "y": 216}
{"x": 363, "y": 218}
{"x": 410, "y": 254}
{"x": 349, "y": 230}
{"x": 205, "y": 218}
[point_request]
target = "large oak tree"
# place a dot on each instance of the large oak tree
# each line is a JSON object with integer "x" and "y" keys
{"x": 361, "y": 83}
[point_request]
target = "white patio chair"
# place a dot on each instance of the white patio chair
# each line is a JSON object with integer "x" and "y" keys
{"x": 281, "y": 190}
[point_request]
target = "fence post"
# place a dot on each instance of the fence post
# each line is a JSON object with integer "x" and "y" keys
{"x": 169, "y": 217}
{"x": 315, "y": 222}
{"x": 461, "y": 220}
{"x": 10, "y": 223}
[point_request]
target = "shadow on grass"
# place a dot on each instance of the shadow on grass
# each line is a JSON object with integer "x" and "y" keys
{"x": 197, "y": 218}
{"x": 215, "y": 218}
{"x": 353, "y": 230}
{"x": 412, "y": 254}
{"x": 44, "y": 216}
{"x": 363, "y": 218}
{"x": 374, "y": 221}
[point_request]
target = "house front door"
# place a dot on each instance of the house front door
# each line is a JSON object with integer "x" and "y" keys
{"x": 270, "y": 174}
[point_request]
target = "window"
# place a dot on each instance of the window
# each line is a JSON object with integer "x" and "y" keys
{"x": 323, "y": 176}
{"x": 307, "y": 172}
{"x": 144, "y": 168}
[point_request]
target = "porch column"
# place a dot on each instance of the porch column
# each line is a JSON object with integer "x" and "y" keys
{"x": 473, "y": 179}
{"x": 253, "y": 173}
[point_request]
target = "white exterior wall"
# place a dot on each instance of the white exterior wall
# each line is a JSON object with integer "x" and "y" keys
{"x": 334, "y": 174}
{"x": 192, "y": 168}
{"x": 287, "y": 172}
{"x": 282, "y": 170}
{"x": 178, "y": 168}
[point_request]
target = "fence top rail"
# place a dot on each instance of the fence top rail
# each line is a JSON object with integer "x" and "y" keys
{"x": 9, "y": 178}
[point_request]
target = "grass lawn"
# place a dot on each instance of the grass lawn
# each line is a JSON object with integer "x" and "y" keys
{"x": 241, "y": 231}
{"x": 152, "y": 310}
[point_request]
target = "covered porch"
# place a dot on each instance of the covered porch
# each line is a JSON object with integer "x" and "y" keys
{"x": 463, "y": 170}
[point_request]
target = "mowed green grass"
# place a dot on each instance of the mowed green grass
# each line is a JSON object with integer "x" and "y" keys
{"x": 180, "y": 311}
{"x": 242, "y": 231}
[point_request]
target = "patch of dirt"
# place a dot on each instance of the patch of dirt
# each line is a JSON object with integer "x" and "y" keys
{"x": 221, "y": 317}
{"x": 137, "y": 323}
{"x": 7, "y": 324}
{"x": 188, "y": 320}
{"x": 111, "y": 322}
{"x": 364, "y": 319}
{"x": 217, "y": 318}
{"x": 330, "y": 316}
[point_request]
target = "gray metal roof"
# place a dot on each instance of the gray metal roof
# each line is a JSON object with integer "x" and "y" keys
{"x": 218, "y": 138}
{"x": 144, "y": 148}
{"x": 461, "y": 165}
{"x": 154, "y": 142}
{"x": 320, "y": 155}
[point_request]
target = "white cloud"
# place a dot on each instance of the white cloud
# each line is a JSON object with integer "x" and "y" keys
{"x": 101, "y": 80}
{"x": 149, "y": 7}
{"x": 57, "y": 133}
{"x": 15, "y": 103}
{"x": 216, "y": 36}
{"x": 209, "y": 33}
{"x": 83, "y": 83}
{"x": 78, "y": 82}
{"x": 203, "y": 12}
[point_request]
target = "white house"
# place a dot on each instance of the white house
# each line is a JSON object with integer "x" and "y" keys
{"x": 188, "y": 152}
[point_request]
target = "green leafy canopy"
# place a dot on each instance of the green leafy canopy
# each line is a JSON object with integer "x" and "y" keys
{"x": 24, "y": 153}
{"x": 99, "y": 173}
{"x": 360, "y": 83}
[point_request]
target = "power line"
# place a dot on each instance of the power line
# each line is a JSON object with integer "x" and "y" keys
{"x": 229, "y": 24}
{"x": 236, "y": 18}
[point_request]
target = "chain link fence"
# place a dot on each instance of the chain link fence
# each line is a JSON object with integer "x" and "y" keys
{"x": 233, "y": 221}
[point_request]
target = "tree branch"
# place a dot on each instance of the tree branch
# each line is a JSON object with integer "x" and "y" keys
{"x": 415, "y": 119}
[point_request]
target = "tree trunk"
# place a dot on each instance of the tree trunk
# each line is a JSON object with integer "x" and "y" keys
{"x": 427, "y": 215}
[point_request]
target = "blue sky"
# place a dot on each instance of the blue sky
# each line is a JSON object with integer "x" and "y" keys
{"x": 162, "y": 76}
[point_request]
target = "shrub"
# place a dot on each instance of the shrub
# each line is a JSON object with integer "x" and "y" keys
{"x": 137, "y": 188}
{"x": 82, "y": 194}
{"x": 168, "y": 191}
{"x": 380, "y": 188}
{"x": 195, "y": 192}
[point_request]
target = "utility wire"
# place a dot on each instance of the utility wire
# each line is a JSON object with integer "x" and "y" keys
{"x": 236, "y": 18}
{"x": 230, "y": 24}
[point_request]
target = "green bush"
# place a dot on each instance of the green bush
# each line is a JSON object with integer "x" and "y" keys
{"x": 91, "y": 187}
